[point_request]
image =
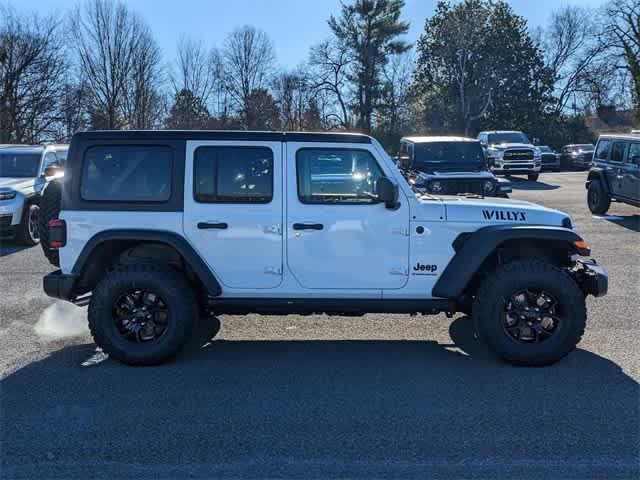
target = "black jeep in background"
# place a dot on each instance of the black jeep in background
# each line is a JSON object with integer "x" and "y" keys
{"x": 577, "y": 156}
{"x": 615, "y": 174}
{"x": 449, "y": 166}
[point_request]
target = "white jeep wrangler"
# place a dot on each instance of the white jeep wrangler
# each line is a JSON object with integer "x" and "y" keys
{"x": 153, "y": 228}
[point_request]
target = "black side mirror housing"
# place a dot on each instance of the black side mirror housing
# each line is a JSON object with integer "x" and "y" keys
{"x": 387, "y": 192}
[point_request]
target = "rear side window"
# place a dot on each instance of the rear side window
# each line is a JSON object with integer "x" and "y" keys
{"x": 131, "y": 173}
{"x": 617, "y": 153}
{"x": 336, "y": 176}
{"x": 602, "y": 150}
{"x": 233, "y": 175}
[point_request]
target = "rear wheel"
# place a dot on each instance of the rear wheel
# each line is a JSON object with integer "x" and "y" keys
{"x": 533, "y": 177}
{"x": 142, "y": 314}
{"x": 28, "y": 231}
{"x": 50, "y": 205}
{"x": 597, "y": 199}
{"x": 530, "y": 312}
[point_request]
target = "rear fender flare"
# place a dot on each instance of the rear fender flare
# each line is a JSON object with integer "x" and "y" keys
{"x": 171, "y": 239}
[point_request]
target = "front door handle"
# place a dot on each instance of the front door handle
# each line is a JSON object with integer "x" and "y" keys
{"x": 210, "y": 226}
{"x": 308, "y": 226}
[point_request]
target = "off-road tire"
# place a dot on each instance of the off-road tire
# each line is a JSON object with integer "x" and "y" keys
{"x": 489, "y": 306}
{"x": 50, "y": 205}
{"x": 598, "y": 200}
{"x": 25, "y": 233}
{"x": 533, "y": 177}
{"x": 175, "y": 291}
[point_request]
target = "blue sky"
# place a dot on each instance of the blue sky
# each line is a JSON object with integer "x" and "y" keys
{"x": 293, "y": 25}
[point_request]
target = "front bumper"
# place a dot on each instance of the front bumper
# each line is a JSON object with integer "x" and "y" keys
{"x": 10, "y": 215}
{"x": 60, "y": 285}
{"x": 592, "y": 278}
{"x": 509, "y": 168}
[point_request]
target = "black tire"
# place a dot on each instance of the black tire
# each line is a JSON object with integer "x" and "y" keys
{"x": 533, "y": 177}
{"x": 50, "y": 205}
{"x": 492, "y": 302}
{"x": 28, "y": 230}
{"x": 598, "y": 200}
{"x": 167, "y": 284}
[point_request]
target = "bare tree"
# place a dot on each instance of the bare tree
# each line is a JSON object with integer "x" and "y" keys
{"x": 623, "y": 31}
{"x": 119, "y": 59}
{"x": 330, "y": 62}
{"x": 572, "y": 44}
{"x": 32, "y": 70}
{"x": 249, "y": 57}
{"x": 194, "y": 69}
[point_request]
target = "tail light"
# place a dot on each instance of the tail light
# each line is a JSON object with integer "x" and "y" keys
{"x": 57, "y": 233}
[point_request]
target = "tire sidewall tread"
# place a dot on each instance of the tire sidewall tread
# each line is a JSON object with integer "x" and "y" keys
{"x": 488, "y": 311}
{"x": 171, "y": 285}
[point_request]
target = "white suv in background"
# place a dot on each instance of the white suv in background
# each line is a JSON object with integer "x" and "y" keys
{"x": 24, "y": 173}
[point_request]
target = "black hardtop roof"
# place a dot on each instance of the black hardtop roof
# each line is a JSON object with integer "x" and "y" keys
{"x": 233, "y": 135}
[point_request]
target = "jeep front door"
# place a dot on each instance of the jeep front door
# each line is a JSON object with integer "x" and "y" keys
{"x": 233, "y": 210}
{"x": 338, "y": 235}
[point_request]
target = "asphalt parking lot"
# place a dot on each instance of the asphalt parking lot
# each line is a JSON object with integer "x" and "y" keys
{"x": 377, "y": 396}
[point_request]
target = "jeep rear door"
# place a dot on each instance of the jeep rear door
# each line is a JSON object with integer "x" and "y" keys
{"x": 233, "y": 210}
{"x": 338, "y": 235}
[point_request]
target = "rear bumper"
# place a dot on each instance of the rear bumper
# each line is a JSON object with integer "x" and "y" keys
{"x": 59, "y": 285}
{"x": 592, "y": 278}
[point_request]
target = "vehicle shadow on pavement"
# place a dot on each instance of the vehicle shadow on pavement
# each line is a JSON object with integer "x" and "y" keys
{"x": 523, "y": 184}
{"x": 632, "y": 222}
{"x": 321, "y": 409}
{"x": 8, "y": 248}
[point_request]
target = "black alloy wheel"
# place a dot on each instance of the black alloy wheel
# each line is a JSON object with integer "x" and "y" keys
{"x": 141, "y": 315}
{"x": 531, "y": 316}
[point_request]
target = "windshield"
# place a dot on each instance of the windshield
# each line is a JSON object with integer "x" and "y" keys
{"x": 507, "y": 137}
{"x": 19, "y": 164}
{"x": 546, "y": 150}
{"x": 448, "y": 153}
{"x": 587, "y": 148}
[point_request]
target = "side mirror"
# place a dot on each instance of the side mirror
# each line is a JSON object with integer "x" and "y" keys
{"x": 387, "y": 193}
{"x": 51, "y": 171}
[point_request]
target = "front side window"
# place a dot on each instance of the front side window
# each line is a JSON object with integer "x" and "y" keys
{"x": 634, "y": 153}
{"x": 131, "y": 173}
{"x": 617, "y": 153}
{"x": 233, "y": 175}
{"x": 49, "y": 160}
{"x": 602, "y": 151}
{"x": 336, "y": 176}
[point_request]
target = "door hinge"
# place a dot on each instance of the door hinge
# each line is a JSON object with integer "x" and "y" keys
{"x": 277, "y": 229}
{"x": 404, "y": 231}
{"x": 399, "y": 271}
{"x": 273, "y": 270}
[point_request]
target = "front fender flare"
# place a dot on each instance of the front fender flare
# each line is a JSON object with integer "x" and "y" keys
{"x": 472, "y": 249}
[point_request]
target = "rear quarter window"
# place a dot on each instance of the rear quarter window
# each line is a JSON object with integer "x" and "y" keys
{"x": 127, "y": 173}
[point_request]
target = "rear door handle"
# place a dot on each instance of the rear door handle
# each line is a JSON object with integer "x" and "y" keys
{"x": 210, "y": 226}
{"x": 308, "y": 226}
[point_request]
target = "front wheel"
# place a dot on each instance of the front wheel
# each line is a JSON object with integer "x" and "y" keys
{"x": 530, "y": 312}
{"x": 28, "y": 231}
{"x": 142, "y": 314}
{"x": 533, "y": 177}
{"x": 597, "y": 199}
